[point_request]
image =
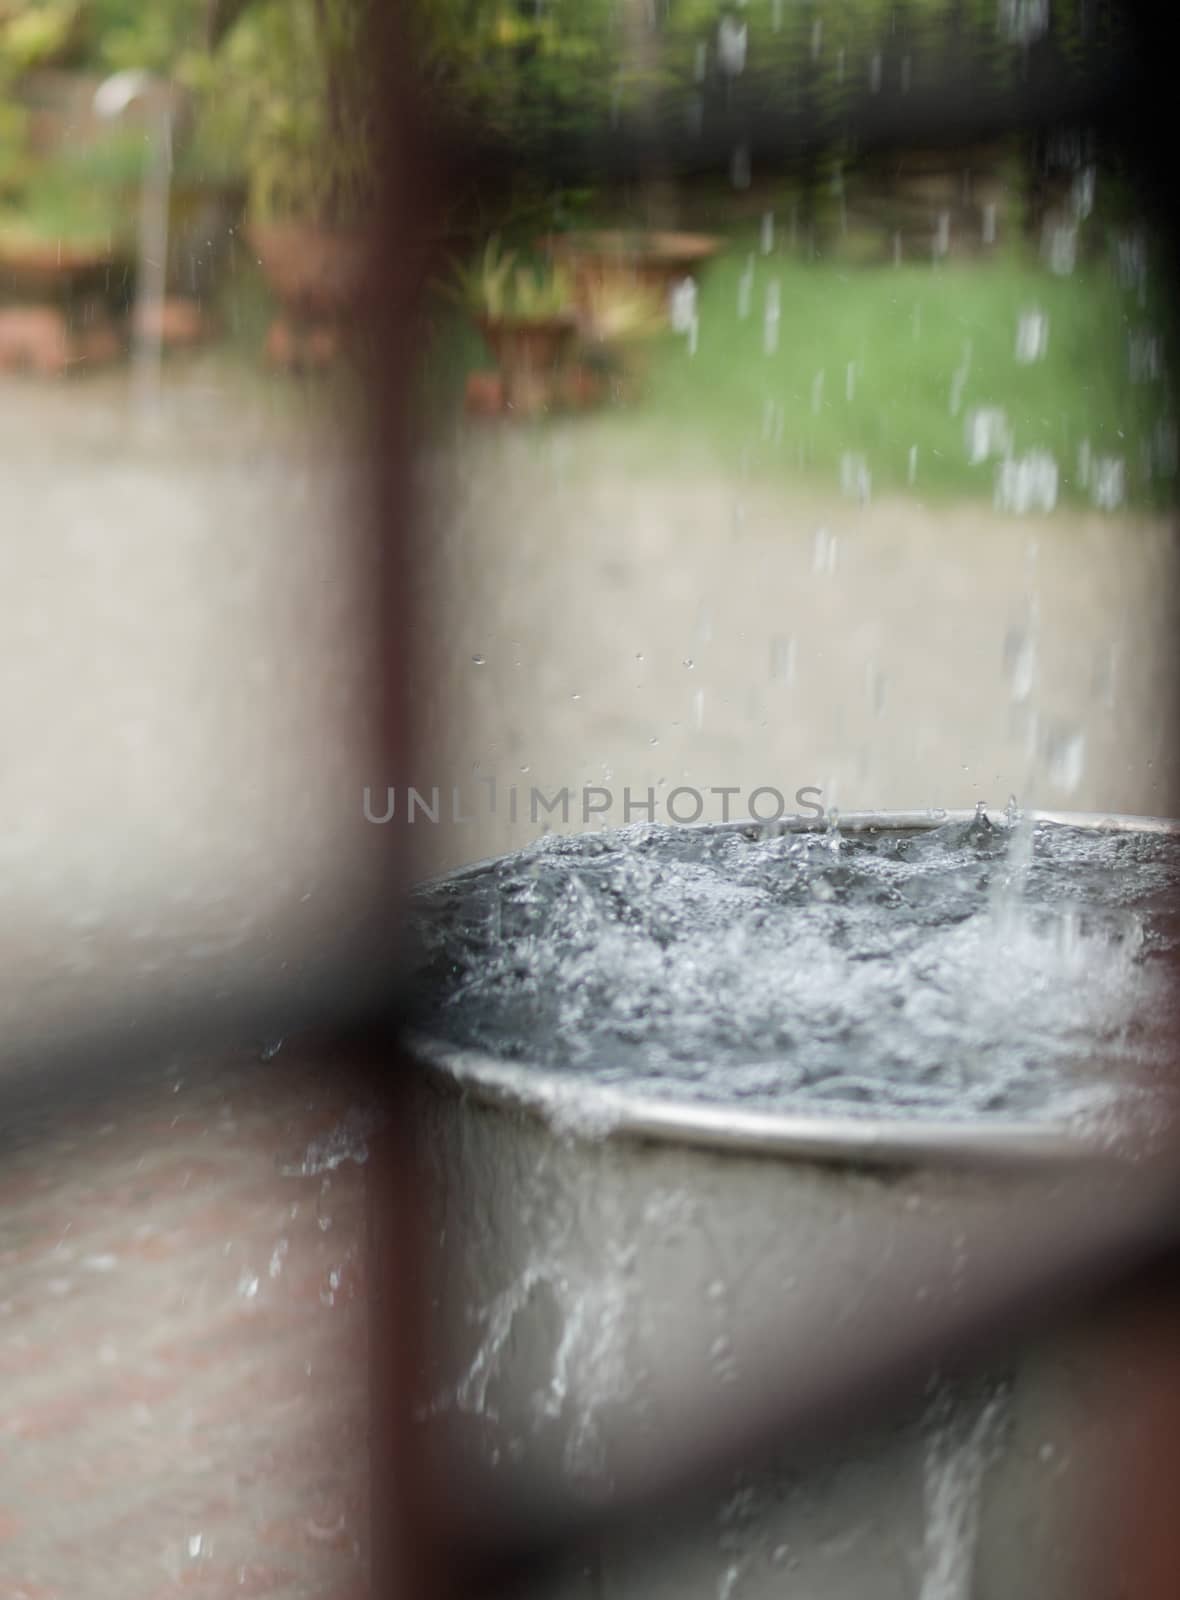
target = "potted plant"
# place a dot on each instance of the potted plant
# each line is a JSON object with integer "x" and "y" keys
{"x": 73, "y": 168}
{"x": 616, "y": 261}
{"x": 290, "y": 84}
{"x": 527, "y": 317}
{"x": 618, "y": 318}
{"x": 67, "y": 256}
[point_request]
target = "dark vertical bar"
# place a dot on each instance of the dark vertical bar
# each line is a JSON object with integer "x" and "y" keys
{"x": 406, "y": 1507}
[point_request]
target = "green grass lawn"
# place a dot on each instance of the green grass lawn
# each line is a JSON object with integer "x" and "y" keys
{"x": 878, "y": 362}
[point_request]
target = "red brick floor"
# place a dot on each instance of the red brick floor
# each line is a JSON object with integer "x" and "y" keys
{"x": 183, "y": 1367}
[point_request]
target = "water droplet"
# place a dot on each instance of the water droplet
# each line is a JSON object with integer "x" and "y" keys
{"x": 782, "y": 659}
{"x": 771, "y": 317}
{"x": 1067, "y": 760}
{"x": 479, "y": 661}
{"x": 1026, "y": 484}
{"x": 855, "y": 478}
{"x": 1020, "y": 655}
{"x": 732, "y": 44}
{"x": 1032, "y": 337}
{"x": 824, "y": 552}
{"x": 1108, "y": 482}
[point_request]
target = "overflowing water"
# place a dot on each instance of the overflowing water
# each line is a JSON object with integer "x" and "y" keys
{"x": 347, "y": 1141}
{"x": 960, "y": 1442}
{"x": 990, "y": 967}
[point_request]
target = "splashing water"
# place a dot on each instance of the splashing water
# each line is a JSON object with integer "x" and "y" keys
{"x": 347, "y": 1141}
{"x": 980, "y": 968}
{"x": 959, "y": 1448}
{"x": 589, "y": 1369}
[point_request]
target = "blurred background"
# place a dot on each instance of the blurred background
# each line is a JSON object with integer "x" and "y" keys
{"x": 794, "y": 407}
{"x": 799, "y": 415}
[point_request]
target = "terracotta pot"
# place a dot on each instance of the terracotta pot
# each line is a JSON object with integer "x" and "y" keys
{"x": 44, "y": 269}
{"x": 656, "y": 260}
{"x": 40, "y": 339}
{"x": 530, "y": 353}
{"x": 315, "y": 273}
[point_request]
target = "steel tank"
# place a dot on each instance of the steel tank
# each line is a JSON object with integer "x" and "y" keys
{"x": 606, "y": 1269}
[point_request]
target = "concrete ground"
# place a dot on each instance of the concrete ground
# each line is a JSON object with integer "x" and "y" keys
{"x": 185, "y": 720}
{"x": 592, "y": 620}
{"x": 183, "y": 1338}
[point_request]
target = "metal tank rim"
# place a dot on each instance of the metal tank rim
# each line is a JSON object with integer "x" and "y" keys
{"x": 598, "y": 1112}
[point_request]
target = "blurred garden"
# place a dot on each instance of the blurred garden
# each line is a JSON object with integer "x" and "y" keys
{"x": 794, "y": 287}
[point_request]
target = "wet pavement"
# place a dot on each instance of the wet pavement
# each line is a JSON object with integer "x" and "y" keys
{"x": 183, "y": 1337}
{"x": 596, "y": 618}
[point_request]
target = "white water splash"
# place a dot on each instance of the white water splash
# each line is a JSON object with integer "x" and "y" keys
{"x": 589, "y": 1367}
{"x": 958, "y": 1452}
{"x": 347, "y": 1141}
